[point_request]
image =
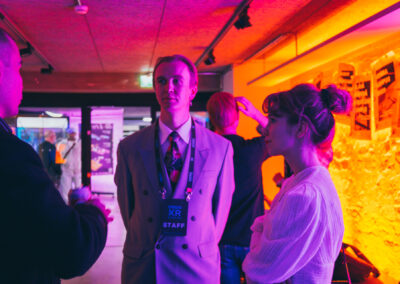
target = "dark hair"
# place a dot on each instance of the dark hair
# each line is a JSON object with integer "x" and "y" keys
{"x": 223, "y": 109}
{"x": 308, "y": 103}
{"x": 177, "y": 57}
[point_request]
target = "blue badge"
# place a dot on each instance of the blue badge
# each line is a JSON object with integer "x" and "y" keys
{"x": 174, "y": 217}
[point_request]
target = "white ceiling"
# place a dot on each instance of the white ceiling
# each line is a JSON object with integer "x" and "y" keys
{"x": 118, "y": 38}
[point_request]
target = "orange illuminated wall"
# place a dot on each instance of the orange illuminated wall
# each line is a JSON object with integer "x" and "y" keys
{"x": 247, "y": 126}
{"x": 366, "y": 171}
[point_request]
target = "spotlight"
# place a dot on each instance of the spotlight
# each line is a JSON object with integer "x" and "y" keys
{"x": 210, "y": 58}
{"x": 26, "y": 51}
{"x": 47, "y": 70}
{"x": 243, "y": 21}
{"x": 80, "y": 9}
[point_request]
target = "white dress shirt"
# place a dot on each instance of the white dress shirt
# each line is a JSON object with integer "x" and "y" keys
{"x": 183, "y": 141}
{"x": 299, "y": 238}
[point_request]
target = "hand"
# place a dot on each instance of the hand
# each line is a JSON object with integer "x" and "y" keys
{"x": 248, "y": 109}
{"x": 106, "y": 212}
{"x": 79, "y": 195}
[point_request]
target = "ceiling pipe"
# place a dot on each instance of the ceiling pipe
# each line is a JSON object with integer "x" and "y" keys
{"x": 330, "y": 40}
{"x": 13, "y": 28}
{"x": 242, "y": 6}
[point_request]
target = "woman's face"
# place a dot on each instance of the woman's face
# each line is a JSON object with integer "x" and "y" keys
{"x": 280, "y": 136}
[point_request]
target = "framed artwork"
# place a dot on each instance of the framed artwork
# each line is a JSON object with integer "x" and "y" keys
{"x": 362, "y": 107}
{"x": 345, "y": 81}
{"x": 384, "y": 74}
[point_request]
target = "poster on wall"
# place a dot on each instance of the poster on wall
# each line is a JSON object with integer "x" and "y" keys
{"x": 345, "y": 81}
{"x": 384, "y": 76}
{"x": 362, "y": 103}
{"x": 102, "y": 138}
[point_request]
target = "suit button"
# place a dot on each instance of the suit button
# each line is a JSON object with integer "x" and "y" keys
{"x": 193, "y": 218}
{"x": 146, "y": 192}
{"x": 200, "y": 191}
{"x": 185, "y": 246}
{"x": 158, "y": 246}
{"x": 150, "y": 219}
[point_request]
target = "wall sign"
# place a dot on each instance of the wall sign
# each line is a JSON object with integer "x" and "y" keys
{"x": 362, "y": 103}
{"x": 102, "y": 145}
{"x": 384, "y": 76}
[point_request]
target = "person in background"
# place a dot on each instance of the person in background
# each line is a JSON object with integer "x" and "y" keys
{"x": 70, "y": 150}
{"x": 47, "y": 152}
{"x": 248, "y": 198}
{"x": 299, "y": 238}
{"x": 175, "y": 184}
{"x": 42, "y": 239}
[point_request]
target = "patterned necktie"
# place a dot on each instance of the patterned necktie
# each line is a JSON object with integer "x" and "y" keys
{"x": 173, "y": 160}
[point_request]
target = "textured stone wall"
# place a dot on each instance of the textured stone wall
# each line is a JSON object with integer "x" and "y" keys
{"x": 367, "y": 177}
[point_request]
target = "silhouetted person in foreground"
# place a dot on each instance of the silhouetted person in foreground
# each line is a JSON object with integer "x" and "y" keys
{"x": 42, "y": 239}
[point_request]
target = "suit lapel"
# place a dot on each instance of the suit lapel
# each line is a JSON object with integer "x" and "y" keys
{"x": 147, "y": 153}
{"x": 201, "y": 154}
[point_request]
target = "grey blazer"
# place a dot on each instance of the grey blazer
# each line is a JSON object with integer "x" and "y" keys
{"x": 153, "y": 258}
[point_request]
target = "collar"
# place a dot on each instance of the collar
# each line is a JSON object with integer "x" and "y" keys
{"x": 5, "y": 126}
{"x": 183, "y": 131}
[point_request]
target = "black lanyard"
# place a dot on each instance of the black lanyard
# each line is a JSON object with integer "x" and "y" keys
{"x": 157, "y": 146}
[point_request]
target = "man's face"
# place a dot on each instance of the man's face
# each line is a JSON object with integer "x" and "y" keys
{"x": 51, "y": 137}
{"x": 11, "y": 83}
{"x": 172, "y": 86}
{"x": 72, "y": 136}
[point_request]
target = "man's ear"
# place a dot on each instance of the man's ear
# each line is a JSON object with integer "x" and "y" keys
{"x": 302, "y": 129}
{"x": 193, "y": 91}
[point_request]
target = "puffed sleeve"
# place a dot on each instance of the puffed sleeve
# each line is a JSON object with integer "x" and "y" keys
{"x": 291, "y": 235}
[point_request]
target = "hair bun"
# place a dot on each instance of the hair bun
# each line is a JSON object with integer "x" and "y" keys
{"x": 336, "y": 100}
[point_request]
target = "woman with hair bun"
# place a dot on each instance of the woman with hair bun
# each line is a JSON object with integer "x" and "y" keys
{"x": 299, "y": 238}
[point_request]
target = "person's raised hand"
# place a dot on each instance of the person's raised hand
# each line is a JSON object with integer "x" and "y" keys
{"x": 248, "y": 109}
{"x": 79, "y": 195}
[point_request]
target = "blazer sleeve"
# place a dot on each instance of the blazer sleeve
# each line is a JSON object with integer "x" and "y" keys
{"x": 123, "y": 181}
{"x": 67, "y": 240}
{"x": 223, "y": 192}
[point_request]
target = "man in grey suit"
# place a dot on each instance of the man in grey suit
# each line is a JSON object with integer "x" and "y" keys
{"x": 175, "y": 184}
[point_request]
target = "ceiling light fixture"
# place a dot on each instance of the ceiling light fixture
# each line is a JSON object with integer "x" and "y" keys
{"x": 243, "y": 5}
{"x": 244, "y": 20}
{"x": 47, "y": 70}
{"x": 210, "y": 58}
{"x": 19, "y": 37}
{"x": 80, "y": 9}
{"x": 26, "y": 51}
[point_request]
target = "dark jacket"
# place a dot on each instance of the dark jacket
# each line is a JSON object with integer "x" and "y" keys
{"x": 47, "y": 153}
{"x": 42, "y": 239}
{"x": 248, "y": 198}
